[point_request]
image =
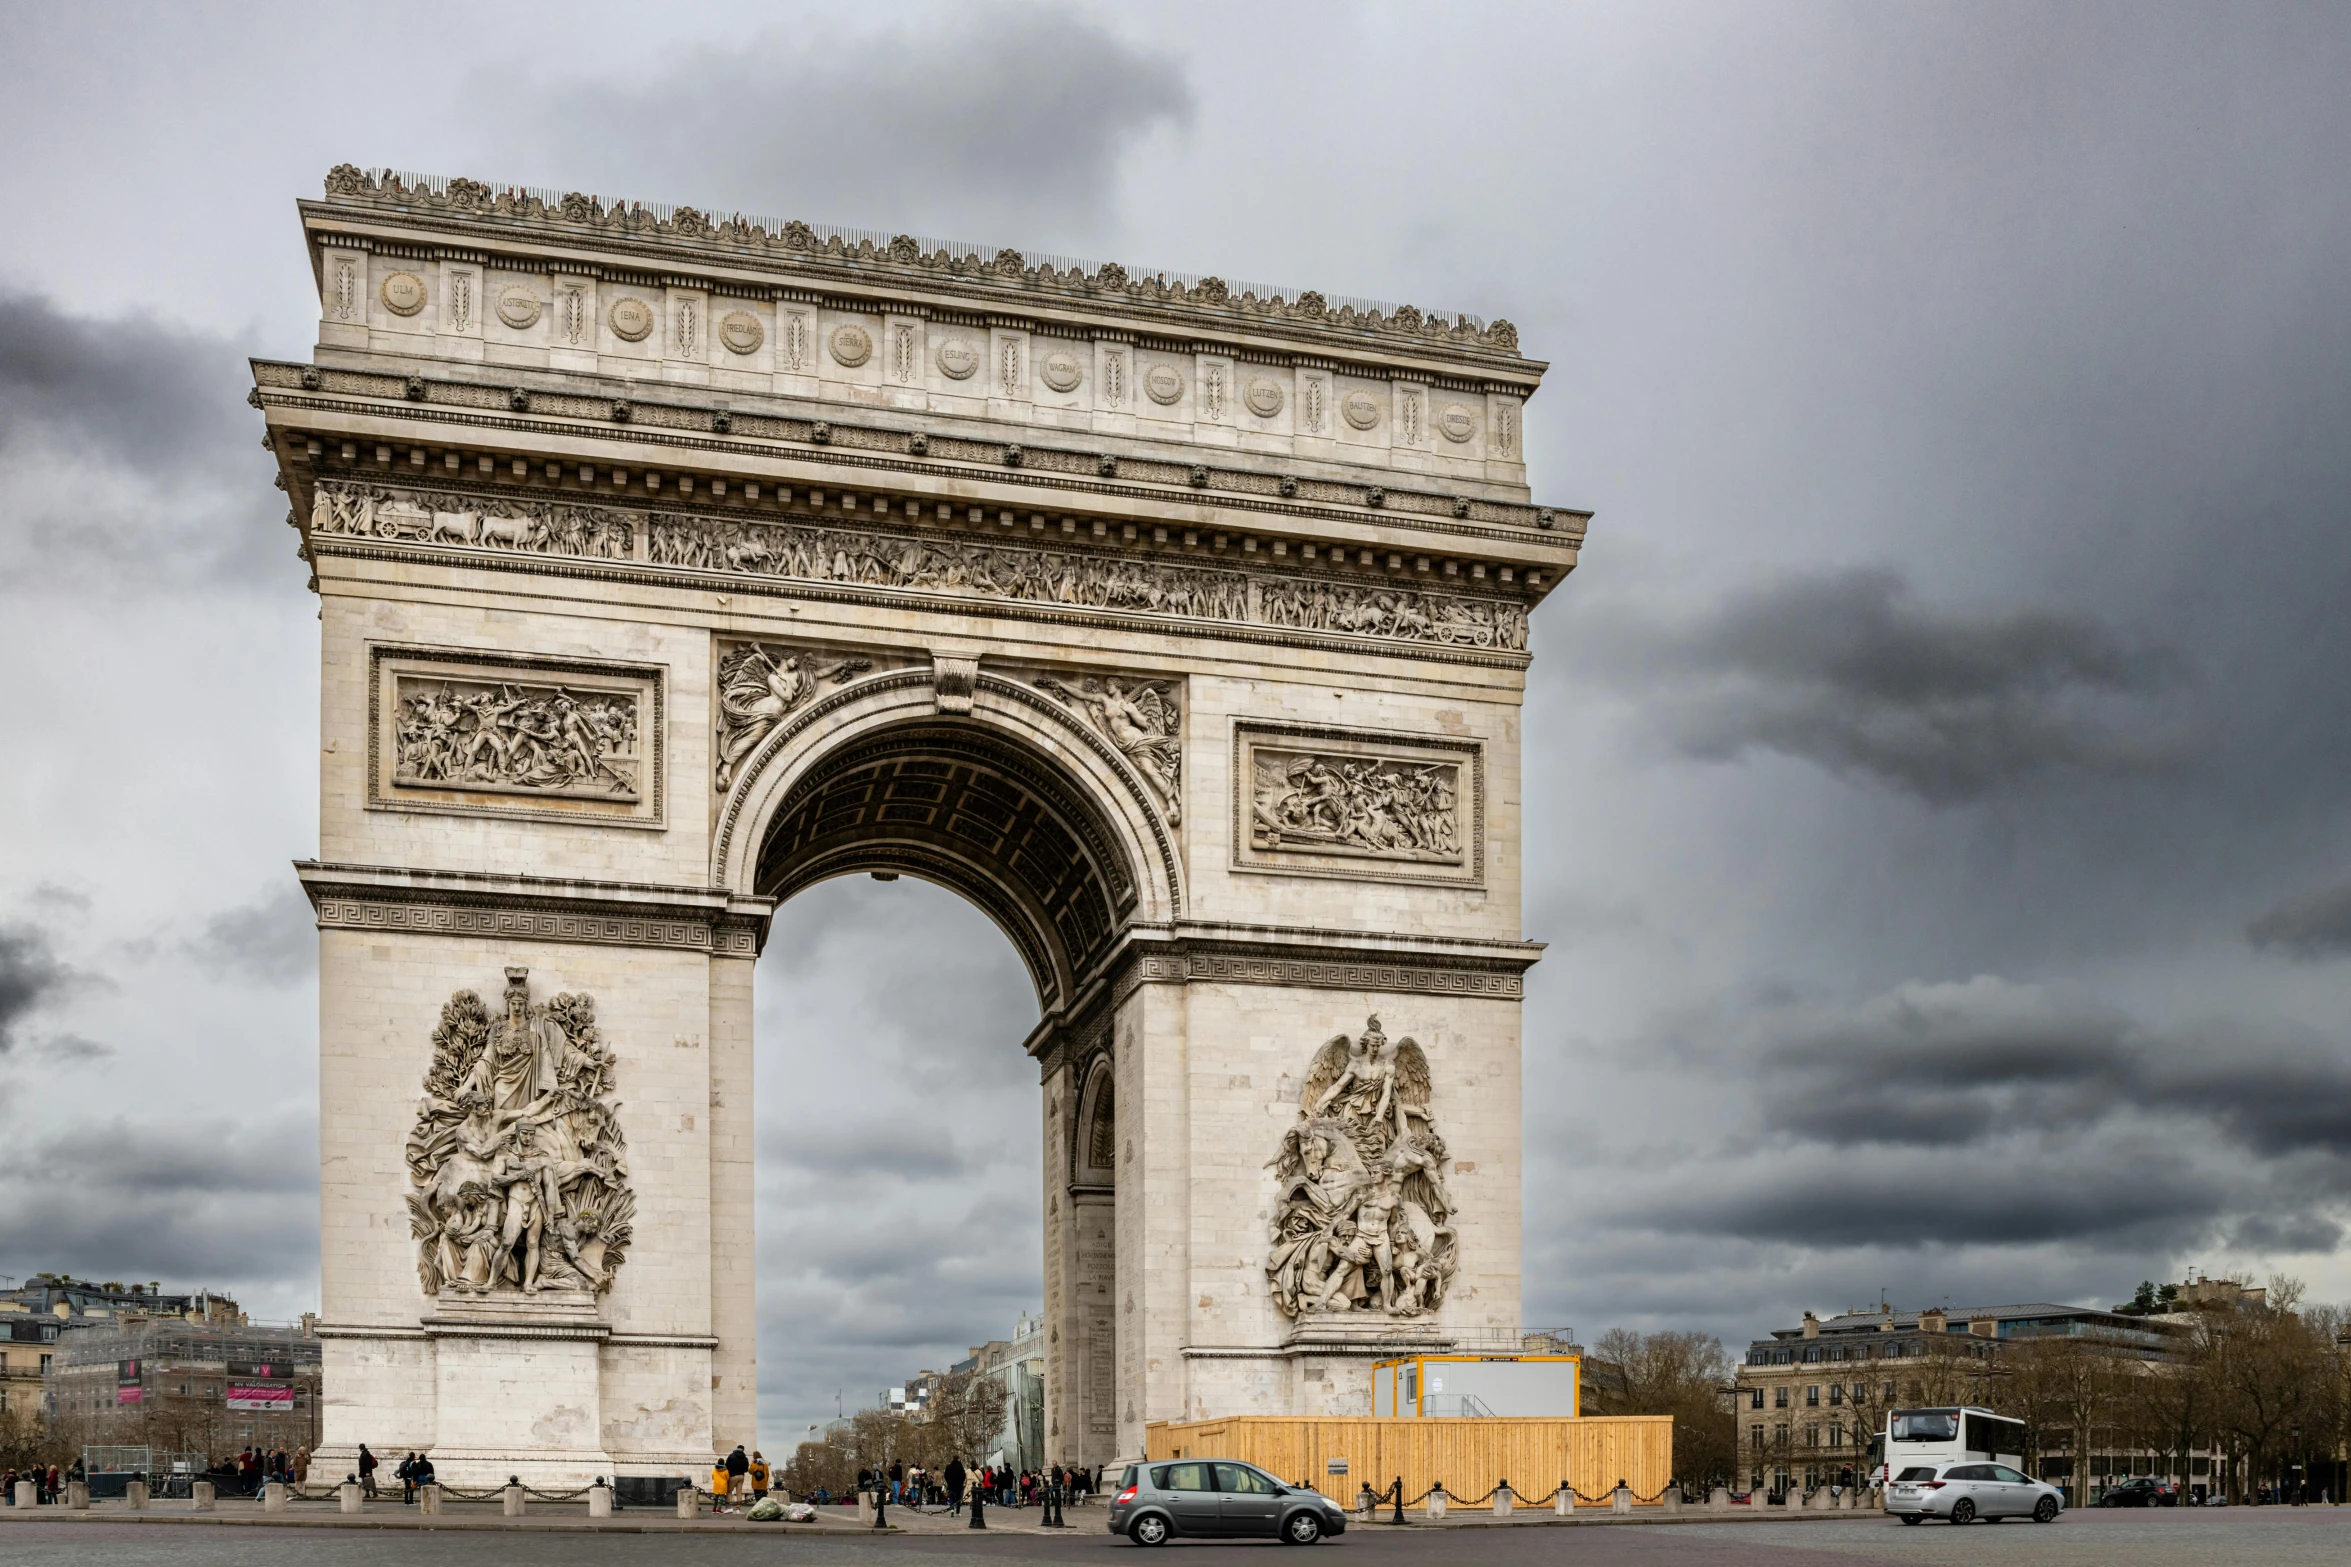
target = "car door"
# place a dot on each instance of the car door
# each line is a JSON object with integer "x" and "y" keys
{"x": 1249, "y": 1503}
{"x": 1191, "y": 1499}
{"x": 1974, "y": 1482}
{"x": 2018, "y": 1493}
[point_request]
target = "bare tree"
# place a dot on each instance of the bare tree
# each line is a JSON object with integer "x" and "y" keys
{"x": 1677, "y": 1374}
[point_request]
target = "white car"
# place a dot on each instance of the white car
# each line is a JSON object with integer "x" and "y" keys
{"x": 1964, "y": 1493}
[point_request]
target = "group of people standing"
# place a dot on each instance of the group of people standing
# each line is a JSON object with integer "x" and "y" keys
{"x": 48, "y": 1483}
{"x": 999, "y": 1486}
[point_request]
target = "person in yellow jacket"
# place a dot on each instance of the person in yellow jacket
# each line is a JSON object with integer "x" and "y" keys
{"x": 758, "y": 1475}
{"x": 718, "y": 1486}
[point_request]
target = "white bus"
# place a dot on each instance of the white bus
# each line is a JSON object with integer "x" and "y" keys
{"x": 1917, "y": 1438}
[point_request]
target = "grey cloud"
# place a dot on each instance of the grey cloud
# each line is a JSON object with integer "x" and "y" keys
{"x": 896, "y": 1149}
{"x": 53, "y": 895}
{"x": 214, "y": 1199}
{"x": 31, "y": 976}
{"x": 2315, "y": 925}
{"x": 1943, "y": 1066}
{"x": 1851, "y": 672}
{"x": 74, "y": 1048}
{"x": 273, "y": 939}
{"x": 986, "y": 121}
{"x": 128, "y": 454}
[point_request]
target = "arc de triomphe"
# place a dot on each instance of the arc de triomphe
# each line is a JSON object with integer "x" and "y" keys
{"x": 668, "y": 565}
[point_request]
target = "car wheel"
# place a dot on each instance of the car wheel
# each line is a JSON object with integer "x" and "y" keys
{"x": 1963, "y": 1511}
{"x": 1910, "y": 1518}
{"x": 1301, "y": 1528}
{"x": 2045, "y": 1510}
{"x": 1150, "y": 1529}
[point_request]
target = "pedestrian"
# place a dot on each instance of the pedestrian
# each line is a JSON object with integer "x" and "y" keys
{"x": 406, "y": 1475}
{"x": 424, "y": 1471}
{"x": 721, "y": 1483}
{"x": 367, "y": 1472}
{"x": 954, "y": 1487}
{"x": 759, "y": 1475}
{"x": 738, "y": 1472}
{"x": 897, "y": 1481}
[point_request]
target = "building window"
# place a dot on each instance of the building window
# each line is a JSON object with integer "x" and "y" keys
{"x": 1812, "y": 1356}
{"x": 1812, "y": 1436}
{"x": 1836, "y": 1393}
{"x": 1836, "y": 1352}
{"x": 1779, "y": 1398}
{"x": 1812, "y": 1396}
{"x": 1755, "y": 1398}
{"x": 1836, "y": 1436}
{"x": 1889, "y": 1392}
{"x": 1757, "y": 1433}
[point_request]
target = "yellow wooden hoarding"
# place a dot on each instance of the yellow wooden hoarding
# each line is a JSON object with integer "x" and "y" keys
{"x": 1470, "y": 1457}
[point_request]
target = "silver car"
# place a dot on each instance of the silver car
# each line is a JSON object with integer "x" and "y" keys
{"x": 1206, "y": 1498}
{"x": 1966, "y": 1492}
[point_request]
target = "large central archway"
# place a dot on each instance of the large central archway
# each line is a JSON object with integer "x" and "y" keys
{"x": 1022, "y": 811}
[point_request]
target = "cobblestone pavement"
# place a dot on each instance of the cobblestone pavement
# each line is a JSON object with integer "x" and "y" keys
{"x": 2272, "y": 1537}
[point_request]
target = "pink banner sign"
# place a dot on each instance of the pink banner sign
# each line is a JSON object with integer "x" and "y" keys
{"x": 246, "y": 1395}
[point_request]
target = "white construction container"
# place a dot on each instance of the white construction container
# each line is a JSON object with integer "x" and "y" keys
{"x": 1456, "y": 1387}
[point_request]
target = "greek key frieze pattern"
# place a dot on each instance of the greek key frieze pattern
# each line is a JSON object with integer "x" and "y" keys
{"x": 448, "y": 919}
{"x": 1327, "y": 974}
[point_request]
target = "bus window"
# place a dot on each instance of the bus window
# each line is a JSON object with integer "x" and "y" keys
{"x": 1933, "y": 1425}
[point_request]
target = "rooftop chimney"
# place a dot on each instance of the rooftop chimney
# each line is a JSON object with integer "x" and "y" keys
{"x": 1811, "y": 1325}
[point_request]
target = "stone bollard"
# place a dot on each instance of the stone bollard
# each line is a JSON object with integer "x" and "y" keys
{"x": 1719, "y": 1499}
{"x": 1621, "y": 1499}
{"x": 865, "y": 1508}
{"x": 1673, "y": 1498}
{"x": 273, "y": 1496}
{"x": 1364, "y": 1503}
{"x": 1564, "y": 1503}
{"x": 1503, "y": 1500}
{"x": 27, "y": 1494}
{"x": 689, "y": 1502}
{"x": 134, "y": 1495}
{"x": 599, "y": 1499}
{"x": 511, "y": 1498}
{"x": 1436, "y": 1503}
{"x": 77, "y": 1495}
{"x": 428, "y": 1499}
{"x": 204, "y": 1496}
{"x": 353, "y": 1498}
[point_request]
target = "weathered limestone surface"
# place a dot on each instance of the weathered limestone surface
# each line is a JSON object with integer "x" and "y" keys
{"x": 669, "y": 564}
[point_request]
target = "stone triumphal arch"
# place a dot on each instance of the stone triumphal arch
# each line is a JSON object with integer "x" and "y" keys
{"x": 668, "y": 565}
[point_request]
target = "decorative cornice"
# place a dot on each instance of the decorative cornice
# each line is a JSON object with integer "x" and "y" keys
{"x": 1325, "y": 960}
{"x": 401, "y": 900}
{"x": 670, "y": 236}
{"x": 731, "y": 431}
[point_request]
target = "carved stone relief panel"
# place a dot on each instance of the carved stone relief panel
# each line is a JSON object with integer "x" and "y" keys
{"x": 519, "y": 1176}
{"x": 761, "y": 684}
{"x": 1328, "y": 802}
{"x": 1362, "y": 1221}
{"x": 1143, "y": 718}
{"x": 499, "y": 735}
{"x": 450, "y": 517}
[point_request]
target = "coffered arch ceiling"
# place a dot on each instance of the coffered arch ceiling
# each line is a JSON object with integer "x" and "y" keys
{"x": 975, "y": 811}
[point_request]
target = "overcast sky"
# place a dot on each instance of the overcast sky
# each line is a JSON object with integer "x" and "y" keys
{"x": 1938, "y": 771}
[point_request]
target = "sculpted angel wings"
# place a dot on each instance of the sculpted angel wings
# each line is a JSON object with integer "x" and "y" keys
{"x": 1362, "y": 1220}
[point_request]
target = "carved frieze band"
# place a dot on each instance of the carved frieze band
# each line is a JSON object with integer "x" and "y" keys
{"x": 865, "y": 560}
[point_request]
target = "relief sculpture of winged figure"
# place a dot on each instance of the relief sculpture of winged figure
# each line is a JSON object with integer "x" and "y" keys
{"x": 758, "y": 688}
{"x": 1362, "y": 1220}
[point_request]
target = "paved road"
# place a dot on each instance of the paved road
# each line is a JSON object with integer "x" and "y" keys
{"x": 2273, "y": 1537}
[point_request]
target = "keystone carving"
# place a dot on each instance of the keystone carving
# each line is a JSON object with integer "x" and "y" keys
{"x": 1362, "y": 1220}
{"x": 518, "y": 1171}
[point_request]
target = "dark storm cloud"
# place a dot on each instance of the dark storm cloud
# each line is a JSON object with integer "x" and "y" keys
{"x": 133, "y": 389}
{"x": 2312, "y": 926}
{"x": 1949, "y": 1066}
{"x": 1850, "y": 671}
{"x": 127, "y": 450}
{"x": 993, "y": 121}
{"x": 193, "y": 1199}
{"x": 273, "y": 940}
{"x": 31, "y": 976}
{"x": 73, "y": 1048}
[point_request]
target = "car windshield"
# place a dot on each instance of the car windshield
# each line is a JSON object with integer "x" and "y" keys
{"x": 1926, "y": 1428}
